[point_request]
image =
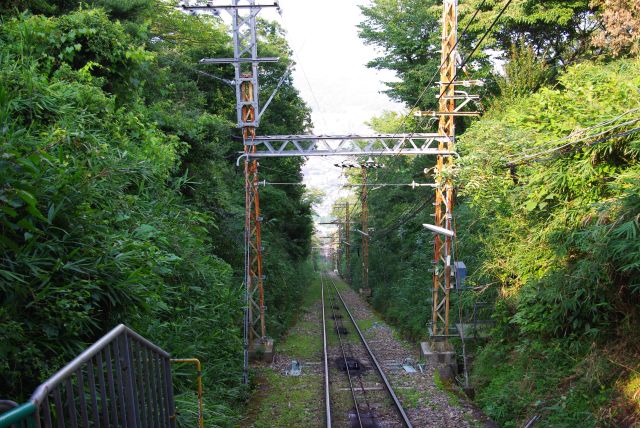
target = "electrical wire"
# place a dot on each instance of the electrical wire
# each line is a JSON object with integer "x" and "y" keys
{"x": 404, "y": 219}
{"x": 524, "y": 159}
{"x": 590, "y": 128}
{"x": 428, "y": 86}
{"x": 304, "y": 74}
{"x": 270, "y": 183}
{"x": 435, "y": 74}
{"x": 464, "y": 63}
{"x": 455, "y": 252}
{"x": 475, "y": 49}
{"x": 533, "y": 158}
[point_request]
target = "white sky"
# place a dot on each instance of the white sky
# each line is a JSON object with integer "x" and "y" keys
{"x": 332, "y": 77}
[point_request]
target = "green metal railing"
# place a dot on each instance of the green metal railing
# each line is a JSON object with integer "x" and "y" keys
{"x": 22, "y": 416}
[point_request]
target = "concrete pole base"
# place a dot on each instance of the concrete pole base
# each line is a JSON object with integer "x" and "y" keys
{"x": 366, "y": 292}
{"x": 262, "y": 350}
{"x": 438, "y": 353}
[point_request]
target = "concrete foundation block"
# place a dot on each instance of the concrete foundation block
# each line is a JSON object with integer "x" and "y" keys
{"x": 366, "y": 292}
{"x": 447, "y": 373}
{"x": 262, "y": 350}
{"x": 438, "y": 353}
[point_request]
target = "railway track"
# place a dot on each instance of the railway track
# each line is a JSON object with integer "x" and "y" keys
{"x": 357, "y": 392}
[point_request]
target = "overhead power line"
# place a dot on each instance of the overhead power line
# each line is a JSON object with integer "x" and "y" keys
{"x": 552, "y": 152}
{"x": 404, "y": 218}
{"x": 477, "y": 46}
{"x": 435, "y": 74}
{"x": 581, "y": 136}
{"x": 414, "y": 184}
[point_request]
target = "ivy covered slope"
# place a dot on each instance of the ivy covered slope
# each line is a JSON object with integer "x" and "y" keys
{"x": 120, "y": 199}
{"x": 558, "y": 235}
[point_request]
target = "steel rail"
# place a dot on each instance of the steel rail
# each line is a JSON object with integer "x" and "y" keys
{"x": 396, "y": 401}
{"x": 346, "y": 365}
{"x": 327, "y": 399}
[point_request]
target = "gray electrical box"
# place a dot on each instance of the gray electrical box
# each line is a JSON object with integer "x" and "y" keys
{"x": 461, "y": 274}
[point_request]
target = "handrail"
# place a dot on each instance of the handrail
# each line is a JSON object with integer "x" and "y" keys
{"x": 121, "y": 380}
{"x": 24, "y": 413}
{"x": 43, "y": 390}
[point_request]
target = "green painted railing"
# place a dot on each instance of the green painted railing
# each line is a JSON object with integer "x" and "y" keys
{"x": 22, "y": 416}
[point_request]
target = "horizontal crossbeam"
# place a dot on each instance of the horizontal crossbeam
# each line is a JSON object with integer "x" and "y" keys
{"x": 238, "y": 60}
{"x": 348, "y": 145}
{"x": 445, "y": 113}
{"x": 210, "y": 5}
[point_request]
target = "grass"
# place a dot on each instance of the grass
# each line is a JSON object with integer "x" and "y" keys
{"x": 632, "y": 389}
{"x": 287, "y": 401}
{"x": 290, "y": 401}
{"x": 445, "y": 387}
{"x": 365, "y": 324}
{"x": 303, "y": 344}
{"x": 304, "y": 339}
{"x": 313, "y": 294}
{"x": 410, "y": 397}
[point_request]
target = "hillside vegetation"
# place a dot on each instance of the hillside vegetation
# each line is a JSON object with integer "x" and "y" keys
{"x": 120, "y": 198}
{"x": 547, "y": 211}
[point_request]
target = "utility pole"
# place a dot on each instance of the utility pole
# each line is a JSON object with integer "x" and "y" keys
{"x": 347, "y": 239}
{"x": 340, "y": 247}
{"x": 344, "y": 233}
{"x": 447, "y": 112}
{"x": 444, "y": 184}
{"x": 364, "y": 217}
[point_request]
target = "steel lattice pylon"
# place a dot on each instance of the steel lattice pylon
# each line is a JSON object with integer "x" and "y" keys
{"x": 246, "y": 80}
{"x": 254, "y": 277}
{"x": 246, "y": 61}
{"x": 444, "y": 165}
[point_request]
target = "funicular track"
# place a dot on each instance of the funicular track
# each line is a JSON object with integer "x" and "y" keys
{"x": 372, "y": 406}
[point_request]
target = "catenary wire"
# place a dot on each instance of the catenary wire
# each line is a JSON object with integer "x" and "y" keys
{"x": 475, "y": 49}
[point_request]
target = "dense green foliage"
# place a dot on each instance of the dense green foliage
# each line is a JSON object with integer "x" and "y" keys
{"x": 120, "y": 198}
{"x": 407, "y": 33}
{"x": 547, "y": 212}
{"x": 566, "y": 224}
{"x": 559, "y": 30}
